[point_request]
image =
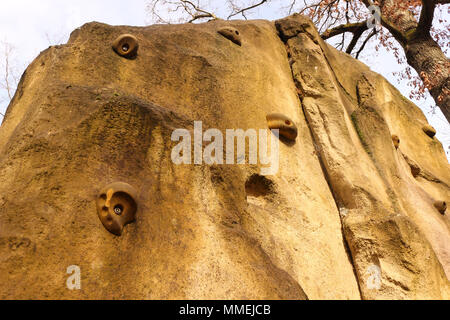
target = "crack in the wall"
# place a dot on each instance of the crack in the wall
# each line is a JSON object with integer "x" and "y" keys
{"x": 317, "y": 42}
{"x": 301, "y": 94}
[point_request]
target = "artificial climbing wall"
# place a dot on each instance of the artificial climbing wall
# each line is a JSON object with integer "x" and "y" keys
{"x": 361, "y": 186}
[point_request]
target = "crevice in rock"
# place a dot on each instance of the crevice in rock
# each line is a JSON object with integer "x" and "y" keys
{"x": 259, "y": 190}
{"x": 304, "y": 30}
{"x": 418, "y": 172}
{"x": 258, "y": 186}
{"x": 338, "y": 207}
{"x": 301, "y": 94}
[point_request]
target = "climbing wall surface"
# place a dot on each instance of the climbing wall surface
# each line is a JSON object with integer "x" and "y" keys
{"x": 360, "y": 188}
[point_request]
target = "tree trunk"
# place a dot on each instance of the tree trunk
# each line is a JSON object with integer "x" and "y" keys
{"x": 427, "y": 58}
{"x": 422, "y": 52}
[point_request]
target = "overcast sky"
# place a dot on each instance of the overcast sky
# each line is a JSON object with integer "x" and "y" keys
{"x": 31, "y": 26}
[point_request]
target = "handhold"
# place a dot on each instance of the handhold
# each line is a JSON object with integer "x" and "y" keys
{"x": 429, "y": 130}
{"x": 116, "y": 206}
{"x": 396, "y": 141}
{"x": 231, "y": 34}
{"x": 286, "y": 126}
{"x": 441, "y": 206}
{"x": 126, "y": 46}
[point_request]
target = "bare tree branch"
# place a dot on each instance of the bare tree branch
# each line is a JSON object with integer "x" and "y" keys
{"x": 8, "y": 77}
{"x": 347, "y": 17}
{"x": 192, "y": 9}
{"x": 292, "y": 5}
{"x": 199, "y": 12}
{"x": 341, "y": 44}
{"x": 242, "y": 11}
{"x": 372, "y": 33}
{"x": 152, "y": 8}
{"x": 7, "y": 70}
{"x": 396, "y": 32}
{"x": 355, "y": 39}
{"x": 350, "y": 27}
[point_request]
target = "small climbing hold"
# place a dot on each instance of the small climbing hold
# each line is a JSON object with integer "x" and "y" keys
{"x": 441, "y": 206}
{"x": 126, "y": 46}
{"x": 117, "y": 206}
{"x": 396, "y": 141}
{"x": 231, "y": 34}
{"x": 429, "y": 130}
{"x": 286, "y": 126}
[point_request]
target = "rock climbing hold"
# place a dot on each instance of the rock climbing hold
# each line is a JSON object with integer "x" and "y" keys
{"x": 231, "y": 34}
{"x": 429, "y": 130}
{"x": 118, "y": 209}
{"x": 126, "y": 46}
{"x": 286, "y": 126}
{"x": 396, "y": 141}
{"x": 441, "y": 206}
{"x": 116, "y": 206}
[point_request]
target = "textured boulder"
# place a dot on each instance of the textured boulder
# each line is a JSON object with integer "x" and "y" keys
{"x": 344, "y": 205}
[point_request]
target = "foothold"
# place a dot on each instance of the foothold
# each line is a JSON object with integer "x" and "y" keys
{"x": 396, "y": 141}
{"x": 429, "y": 130}
{"x": 126, "y": 46}
{"x": 231, "y": 34}
{"x": 441, "y": 206}
{"x": 116, "y": 206}
{"x": 286, "y": 126}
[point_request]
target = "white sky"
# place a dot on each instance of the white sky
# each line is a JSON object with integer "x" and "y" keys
{"x": 31, "y": 26}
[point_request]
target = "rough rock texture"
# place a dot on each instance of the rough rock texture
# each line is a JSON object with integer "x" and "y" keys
{"x": 344, "y": 200}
